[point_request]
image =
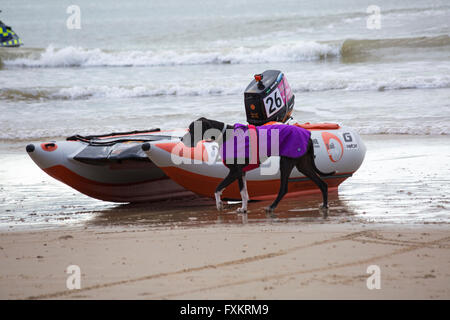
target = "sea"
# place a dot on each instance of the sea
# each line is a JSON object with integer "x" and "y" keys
{"x": 90, "y": 67}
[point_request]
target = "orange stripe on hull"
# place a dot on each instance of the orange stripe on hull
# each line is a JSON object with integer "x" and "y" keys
{"x": 151, "y": 190}
{"x": 257, "y": 190}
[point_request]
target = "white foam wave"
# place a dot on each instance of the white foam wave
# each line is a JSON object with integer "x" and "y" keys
{"x": 95, "y": 92}
{"x": 422, "y": 129}
{"x": 208, "y": 89}
{"x": 347, "y": 84}
{"x": 9, "y": 134}
{"x": 79, "y": 57}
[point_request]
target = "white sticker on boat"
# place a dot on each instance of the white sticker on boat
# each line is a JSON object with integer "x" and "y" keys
{"x": 212, "y": 148}
{"x": 273, "y": 102}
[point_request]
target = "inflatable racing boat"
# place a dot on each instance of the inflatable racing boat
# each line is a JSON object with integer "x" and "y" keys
{"x": 110, "y": 167}
{"x": 201, "y": 169}
{"x": 152, "y": 165}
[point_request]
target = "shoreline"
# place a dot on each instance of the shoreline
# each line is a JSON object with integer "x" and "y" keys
{"x": 394, "y": 184}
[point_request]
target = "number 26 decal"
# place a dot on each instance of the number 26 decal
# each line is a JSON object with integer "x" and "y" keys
{"x": 273, "y": 102}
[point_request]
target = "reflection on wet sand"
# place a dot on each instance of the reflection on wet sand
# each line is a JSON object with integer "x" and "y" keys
{"x": 395, "y": 184}
{"x": 197, "y": 211}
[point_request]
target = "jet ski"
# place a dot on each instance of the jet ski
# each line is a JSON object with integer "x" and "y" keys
{"x": 140, "y": 166}
{"x": 8, "y": 38}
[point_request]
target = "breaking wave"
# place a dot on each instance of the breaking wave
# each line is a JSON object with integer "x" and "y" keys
{"x": 79, "y": 57}
{"x": 290, "y": 52}
{"x": 117, "y": 92}
{"x": 351, "y": 47}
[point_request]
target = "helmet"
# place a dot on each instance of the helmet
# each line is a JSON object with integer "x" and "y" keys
{"x": 268, "y": 98}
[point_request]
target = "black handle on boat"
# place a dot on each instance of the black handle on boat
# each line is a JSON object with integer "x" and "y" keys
{"x": 146, "y": 146}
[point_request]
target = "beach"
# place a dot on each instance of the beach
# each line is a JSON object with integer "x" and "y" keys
{"x": 185, "y": 249}
{"x": 270, "y": 260}
{"x": 130, "y": 67}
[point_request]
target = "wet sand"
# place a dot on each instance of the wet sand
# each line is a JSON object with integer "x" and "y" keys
{"x": 392, "y": 213}
{"x": 403, "y": 179}
{"x": 271, "y": 260}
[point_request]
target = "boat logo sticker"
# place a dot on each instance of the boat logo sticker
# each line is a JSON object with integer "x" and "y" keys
{"x": 334, "y": 146}
{"x": 347, "y": 137}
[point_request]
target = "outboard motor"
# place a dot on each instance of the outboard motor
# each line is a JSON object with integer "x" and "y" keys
{"x": 268, "y": 98}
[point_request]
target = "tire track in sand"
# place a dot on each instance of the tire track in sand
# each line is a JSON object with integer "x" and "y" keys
{"x": 269, "y": 255}
{"x": 318, "y": 269}
{"x": 375, "y": 237}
